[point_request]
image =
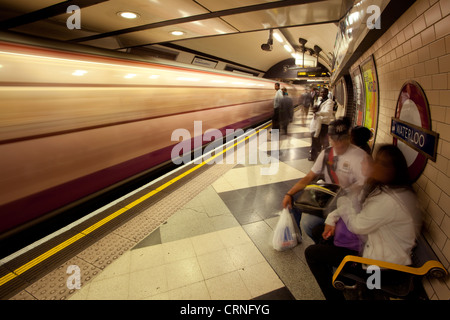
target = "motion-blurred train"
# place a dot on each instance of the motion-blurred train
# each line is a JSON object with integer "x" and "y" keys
{"x": 73, "y": 123}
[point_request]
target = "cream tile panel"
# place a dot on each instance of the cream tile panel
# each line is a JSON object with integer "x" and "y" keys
{"x": 146, "y": 283}
{"x": 183, "y": 272}
{"x": 285, "y": 144}
{"x": 240, "y": 178}
{"x": 260, "y": 279}
{"x": 229, "y": 286}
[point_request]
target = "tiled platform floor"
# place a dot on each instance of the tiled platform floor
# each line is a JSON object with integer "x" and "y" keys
{"x": 218, "y": 245}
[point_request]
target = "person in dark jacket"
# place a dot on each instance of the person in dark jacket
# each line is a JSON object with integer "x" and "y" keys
{"x": 286, "y": 110}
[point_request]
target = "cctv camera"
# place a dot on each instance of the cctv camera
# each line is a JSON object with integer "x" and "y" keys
{"x": 266, "y": 47}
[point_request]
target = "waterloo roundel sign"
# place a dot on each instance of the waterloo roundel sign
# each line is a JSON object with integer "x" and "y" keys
{"x": 411, "y": 128}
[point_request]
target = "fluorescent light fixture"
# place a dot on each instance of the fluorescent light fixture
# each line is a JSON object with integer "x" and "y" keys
{"x": 288, "y": 48}
{"x": 277, "y": 36}
{"x": 128, "y": 14}
{"x": 177, "y": 33}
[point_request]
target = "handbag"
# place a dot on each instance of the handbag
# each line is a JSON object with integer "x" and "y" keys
{"x": 345, "y": 238}
{"x": 318, "y": 199}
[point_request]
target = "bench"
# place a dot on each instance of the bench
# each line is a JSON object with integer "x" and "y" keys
{"x": 397, "y": 281}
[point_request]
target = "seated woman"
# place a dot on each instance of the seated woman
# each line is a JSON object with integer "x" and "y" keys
{"x": 387, "y": 222}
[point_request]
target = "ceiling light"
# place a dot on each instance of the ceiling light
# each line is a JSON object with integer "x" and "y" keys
{"x": 178, "y": 33}
{"x": 278, "y": 37}
{"x": 128, "y": 15}
{"x": 287, "y": 48}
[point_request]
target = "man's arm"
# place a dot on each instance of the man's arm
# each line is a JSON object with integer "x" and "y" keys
{"x": 300, "y": 185}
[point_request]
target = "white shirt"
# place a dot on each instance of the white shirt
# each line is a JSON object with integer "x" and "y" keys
{"x": 348, "y": 170}
{"x": 390, "y": 219}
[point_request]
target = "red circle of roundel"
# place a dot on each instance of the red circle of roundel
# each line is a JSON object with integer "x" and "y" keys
{"x": 412, "y": 90}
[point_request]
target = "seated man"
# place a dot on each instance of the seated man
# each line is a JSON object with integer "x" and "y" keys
{"x": 343, "y": 167}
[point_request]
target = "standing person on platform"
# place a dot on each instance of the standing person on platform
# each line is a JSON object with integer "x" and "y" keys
{"x": 306, "y": 101}
{"x": 339, "y": 164}
{"x": 327, "y": 115}
{"x": 277, "y": 107}
{"x": 286, "y": 110}
{"x": 314, "y": 96}
{"x": 315, "y": 127}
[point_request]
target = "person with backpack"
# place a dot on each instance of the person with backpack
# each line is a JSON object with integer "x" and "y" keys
{"x": 339, "y": 164}
{"x": 386, "y": 220}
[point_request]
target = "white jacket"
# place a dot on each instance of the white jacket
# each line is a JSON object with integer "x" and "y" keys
{"x": 389, "y": 221}
{"x": 315, "y": 125}
{"x": 278, "y": 98}
{"x": 326, "y": 112}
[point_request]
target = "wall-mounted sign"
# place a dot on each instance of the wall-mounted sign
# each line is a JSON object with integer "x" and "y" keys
{"x": 358, "y": 94}
{"x": 370, "y": 80}
{"x": 411, "y": 128}
{"x": 204, "y": 62}
{"x": 419, "y": 139}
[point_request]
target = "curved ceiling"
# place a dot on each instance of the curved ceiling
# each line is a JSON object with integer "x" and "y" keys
{"x": 230, "y": 30}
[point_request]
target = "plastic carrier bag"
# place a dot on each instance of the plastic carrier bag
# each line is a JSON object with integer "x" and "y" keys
{"x": 285, "y": 235}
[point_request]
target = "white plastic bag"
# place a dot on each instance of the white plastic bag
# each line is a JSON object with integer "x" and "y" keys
{"x": 285, "y": 234}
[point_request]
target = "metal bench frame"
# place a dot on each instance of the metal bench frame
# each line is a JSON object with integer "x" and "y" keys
{"x": 425, "y": 262}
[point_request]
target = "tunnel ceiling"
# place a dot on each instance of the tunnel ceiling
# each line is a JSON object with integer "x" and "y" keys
{"x": 231, "y": 31}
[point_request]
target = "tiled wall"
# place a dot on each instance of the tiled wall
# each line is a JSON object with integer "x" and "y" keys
{"x": 417, "y": 47}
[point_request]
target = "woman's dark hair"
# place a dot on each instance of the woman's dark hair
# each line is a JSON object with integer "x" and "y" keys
{"x": 401, "y": 177}
{"x": 360, "y": 136}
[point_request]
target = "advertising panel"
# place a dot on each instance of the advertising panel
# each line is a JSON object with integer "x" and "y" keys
{"x": 370, "y": 80}
{"x": 358, "y": 94}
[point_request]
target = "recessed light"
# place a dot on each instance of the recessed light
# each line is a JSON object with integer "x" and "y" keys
{"x": 128, "y": 15}
{"x": 79, "y": 73}
{"x": 178, "y": 33}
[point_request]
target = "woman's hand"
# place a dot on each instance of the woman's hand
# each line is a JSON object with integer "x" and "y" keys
{"x": 328, "y": 231}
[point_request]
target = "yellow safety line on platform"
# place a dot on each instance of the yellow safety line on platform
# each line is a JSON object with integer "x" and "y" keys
{"x": 10, "y": 276}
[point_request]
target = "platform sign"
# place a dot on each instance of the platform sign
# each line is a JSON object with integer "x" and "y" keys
{"x": 411, "y": 128}
{"x": 199, "y": 61}
{"x": 419, "y": 139}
